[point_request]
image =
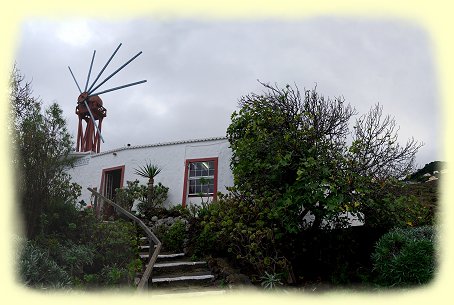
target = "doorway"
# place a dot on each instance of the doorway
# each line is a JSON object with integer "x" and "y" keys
{"x": 111, "y": 180}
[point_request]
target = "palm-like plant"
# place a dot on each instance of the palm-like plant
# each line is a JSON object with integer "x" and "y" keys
{"x": 149, "y": 171}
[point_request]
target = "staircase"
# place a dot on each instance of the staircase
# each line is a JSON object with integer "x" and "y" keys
{"x": 176, "y": 273}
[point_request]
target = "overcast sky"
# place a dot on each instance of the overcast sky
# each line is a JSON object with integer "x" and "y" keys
{"x": 197, "y": 70}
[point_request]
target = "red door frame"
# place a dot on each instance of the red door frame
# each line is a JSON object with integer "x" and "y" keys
{"x": 103, "y": 174}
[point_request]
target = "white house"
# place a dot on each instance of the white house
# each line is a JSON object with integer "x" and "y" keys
{"x": 183, "y": 164}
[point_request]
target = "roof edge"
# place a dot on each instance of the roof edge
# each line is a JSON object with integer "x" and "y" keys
{"x": 158, "y": 144}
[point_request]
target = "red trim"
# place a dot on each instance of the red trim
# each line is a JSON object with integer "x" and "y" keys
{"x": 101, "y": 187}
{"x": 186, "y": 175}
{"x": 122, "y": 167}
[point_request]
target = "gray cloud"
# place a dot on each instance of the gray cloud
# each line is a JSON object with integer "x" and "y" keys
{"x": 197, "y": 71}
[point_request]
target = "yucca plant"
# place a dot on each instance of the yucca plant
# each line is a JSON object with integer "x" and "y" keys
{"x": 271, "y": 280}
{"x": 149, "y": 171}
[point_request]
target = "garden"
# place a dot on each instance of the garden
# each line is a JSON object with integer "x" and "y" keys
{"x": 302, "y": 171}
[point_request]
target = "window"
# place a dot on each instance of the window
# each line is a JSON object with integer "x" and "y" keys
{"x": 200, "y": 178}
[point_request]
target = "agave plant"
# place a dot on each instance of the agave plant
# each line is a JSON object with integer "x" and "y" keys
{"x": 271, "y": 280}
{"x": 149, "y": 171}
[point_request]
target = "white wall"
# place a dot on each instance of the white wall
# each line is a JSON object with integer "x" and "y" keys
{"x": 169, "y": 157}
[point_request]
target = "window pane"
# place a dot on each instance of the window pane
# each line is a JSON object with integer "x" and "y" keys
{"x": 191, "y": 186}
{"x": 198, "y": 171}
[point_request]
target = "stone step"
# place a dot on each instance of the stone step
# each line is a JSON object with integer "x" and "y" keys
{"x": 146, "y": 247}
{"x": 179, "y": 268}
{"x": 161, "y": 257}
{"x": 179, "y": 264}
{"x": 184, "y": 292}
{"x": 170, "y": 256}
{"x": 185, "y": 280}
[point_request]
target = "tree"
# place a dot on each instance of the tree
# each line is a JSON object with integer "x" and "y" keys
{"x": 149, "y": 171}
{"x": 375, "y": 150}
{"x": 42, "y": 145}
{"x": 296, "y": 148}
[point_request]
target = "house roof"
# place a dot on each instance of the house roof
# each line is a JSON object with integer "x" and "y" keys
{"x": 93, "y": 154}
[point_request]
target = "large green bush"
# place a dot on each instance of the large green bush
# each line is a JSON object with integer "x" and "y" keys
{"x": 173, "y": 239}
{"x": 405, "y": 257}
{"x": 115, "y": 243}
{"x": 158, "y": 197}
{"x": 246, "y": 231}
{"x": 38, "y": 269}
{"x": 101, "y": 255}
{"x": 135, "y": 192}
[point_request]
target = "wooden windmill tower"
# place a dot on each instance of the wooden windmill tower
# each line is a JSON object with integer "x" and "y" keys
{"x": 90, "y": 107}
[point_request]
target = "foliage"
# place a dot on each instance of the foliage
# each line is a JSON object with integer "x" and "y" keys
{"x": 243, "y": 230}
{"x": 62, "y": 218}
{"x": 66, "y": 245}
{"x": 271, "y": 281}
{"x": 179, "y": 210}
{"x": 75, "y": 257}
{"x": 429, "y": 168}
{"x": 405, "y": 257}
{"x": 159, "y": 196}
{"x": 394, "y": 210}
{"x": 115, "y": 244}
{"x": 376, "y": 152}
{"x": 37, "y": 269}
{"x": 126, "y": 196}
{"x": 42, "y": 145}
{"x": 295, "y": 174}
{"x": 295, "y": 148}
{"x": 174, "y": 237}
{"x": 204, "y": 182}
{"x": 148, "y": 171}
{"x": 147, "y": 205}
{"x": 114, "y": 275}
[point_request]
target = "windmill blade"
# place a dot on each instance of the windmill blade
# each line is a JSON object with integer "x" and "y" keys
{"x": 102, "y": 70}
{"x": 74, "y": 79}
{"x": 119, "y": 87}
{"x": 89, "y": 71}
{"x": 115, "y": 72}
{"x": 93, "y": 119}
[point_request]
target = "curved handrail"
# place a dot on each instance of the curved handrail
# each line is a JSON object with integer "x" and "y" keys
{"x": 151, "y": 237}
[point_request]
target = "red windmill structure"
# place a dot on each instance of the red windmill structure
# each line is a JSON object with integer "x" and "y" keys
{"x": 90, "y": 107}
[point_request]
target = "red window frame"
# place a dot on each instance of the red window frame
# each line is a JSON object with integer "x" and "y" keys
{"x": 186, "y": 177}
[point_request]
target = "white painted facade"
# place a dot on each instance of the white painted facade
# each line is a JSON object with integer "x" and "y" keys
{"x": 171, "y": 157}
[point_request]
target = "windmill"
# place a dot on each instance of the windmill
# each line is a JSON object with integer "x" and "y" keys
{"x": 90, "y": 107}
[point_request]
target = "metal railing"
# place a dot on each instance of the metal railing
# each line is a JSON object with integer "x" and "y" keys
{"x": 153, "y": 240}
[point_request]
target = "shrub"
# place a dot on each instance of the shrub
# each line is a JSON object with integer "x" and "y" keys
{"x": 179, "y": 210}
{"x": 37, "y": 269}
{"x": 393, "y": 209}
{"x": 126, "y": 196}
{"x": 173, "y": 239}
{"x": 245, "y": 230}
{"x": 114, "y": 275}
{"x": 159, "y": 196}
{"x": 75, "y": 257}
{"x": 405, "y": 257}
{"x": 115, "y": 243}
